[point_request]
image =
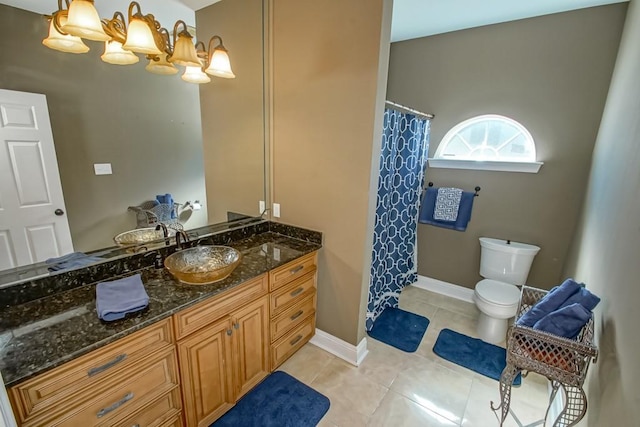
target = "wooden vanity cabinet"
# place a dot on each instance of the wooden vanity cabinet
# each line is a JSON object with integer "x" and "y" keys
{"x": 226, "y": 357}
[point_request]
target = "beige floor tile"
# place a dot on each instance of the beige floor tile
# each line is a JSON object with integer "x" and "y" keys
{"x": 436, "y": 388}
{"x": 307, "y": 363}
{"x": 418, "y": 306}
{"x": 344, "y": 384}
{"x": 398, "y": 411}
{"x": 341, "y": 415}
{"x": 384, "y": 362}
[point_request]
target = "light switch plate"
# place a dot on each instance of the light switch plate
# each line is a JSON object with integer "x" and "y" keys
{"x": 261, "y": 206}
{"x": 276, "y": 210}
{"x": 102, "y": 168}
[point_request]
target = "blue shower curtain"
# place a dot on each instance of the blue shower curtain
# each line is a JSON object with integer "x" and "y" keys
{"x": 405, "y": 143}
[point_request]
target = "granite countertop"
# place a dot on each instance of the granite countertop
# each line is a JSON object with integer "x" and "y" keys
{"x": 45, "y": 333}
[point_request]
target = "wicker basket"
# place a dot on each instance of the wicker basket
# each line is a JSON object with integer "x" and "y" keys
{"x": 563, "y": 361}
{"x": 152, "y": 213}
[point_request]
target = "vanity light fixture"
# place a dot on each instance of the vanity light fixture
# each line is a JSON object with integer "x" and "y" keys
{"x": 78, "y": 19}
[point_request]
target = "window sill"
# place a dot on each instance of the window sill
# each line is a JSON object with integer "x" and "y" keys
{"x": 527, "y": 167}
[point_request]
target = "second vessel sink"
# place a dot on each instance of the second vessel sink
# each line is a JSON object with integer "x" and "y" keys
{"x": 202, "y": 265}
{"x": 140, "y": 235}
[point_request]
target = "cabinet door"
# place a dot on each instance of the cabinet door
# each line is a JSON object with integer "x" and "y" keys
{"x": 251, "y": 337}
{"x": 207, "y": 380}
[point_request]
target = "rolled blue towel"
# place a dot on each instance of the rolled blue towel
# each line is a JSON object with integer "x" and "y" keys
{"x": 584, "y": 297}
{"x": 565, "y": 322}
{"x": 120, "y": 297}
{"x": 550, "y": 302}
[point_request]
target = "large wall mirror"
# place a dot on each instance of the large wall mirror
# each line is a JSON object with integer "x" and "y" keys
{"x": 160, "y": 135}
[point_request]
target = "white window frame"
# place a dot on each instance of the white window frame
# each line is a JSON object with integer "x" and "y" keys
{"x": 438, "y": 161}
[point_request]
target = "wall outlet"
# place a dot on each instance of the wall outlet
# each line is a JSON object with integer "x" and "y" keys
{"x": 102, "y": 168}
{"x": 261, "y": 206}
{"x": 276, "y": 210}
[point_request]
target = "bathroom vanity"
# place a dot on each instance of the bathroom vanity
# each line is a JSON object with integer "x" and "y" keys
{"x": 185, "y": 360}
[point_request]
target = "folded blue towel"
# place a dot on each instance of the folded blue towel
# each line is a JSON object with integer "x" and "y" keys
{"x": 71, "y": 261}
{"x": 565, "y": 322}
{"x": 550, "y": 302}
{"x": 447, "y": 204}
{"x": 117, "y": 298}
{"x": 464, "y": 212}
{"x": 584, "y": 297}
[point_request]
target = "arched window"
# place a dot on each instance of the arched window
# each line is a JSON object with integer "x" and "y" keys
{"x": 490, "y": 142}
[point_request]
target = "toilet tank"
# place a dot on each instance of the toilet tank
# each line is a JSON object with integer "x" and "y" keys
{"x": 506, "y": 261}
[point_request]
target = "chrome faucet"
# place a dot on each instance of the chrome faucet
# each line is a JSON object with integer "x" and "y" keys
{"x": 165, "y": 232}
{"x": 182, "y": 238}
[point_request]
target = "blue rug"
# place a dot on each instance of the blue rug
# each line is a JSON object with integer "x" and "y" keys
{"x": 399, "y": 329}
{"x": 278, "y": 401}
{"x": 472, "y": 353}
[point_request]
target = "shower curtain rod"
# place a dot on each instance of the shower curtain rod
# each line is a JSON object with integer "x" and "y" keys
{"x": 409, "y": 110}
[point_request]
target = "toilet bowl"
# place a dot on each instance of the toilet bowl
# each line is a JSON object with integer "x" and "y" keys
{"x": 497, "y": 302}
{"x": 504, "y": 265}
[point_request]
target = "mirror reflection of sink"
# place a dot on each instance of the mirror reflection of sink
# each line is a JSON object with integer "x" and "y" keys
{"x": 202, "y": 265}
{"x": 140, "y": 235}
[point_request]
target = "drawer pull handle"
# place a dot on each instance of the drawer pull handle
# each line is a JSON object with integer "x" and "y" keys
{"x": 295, "y": 270}
{"x": 102, "y": 412}
{"x": 298, "y": 314}
{"x": 236, "y": 325}
{"x": 94, "y": 371}
{"x": 136, "y": 425}
{"x": 297, "y": 291}
{"x": 295, "y": 340}
{"x": 229, "y": 332}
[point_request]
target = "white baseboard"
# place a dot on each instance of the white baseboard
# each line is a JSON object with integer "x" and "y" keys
{"x": 342, "y": 349}
{"x": 444, "y": 288}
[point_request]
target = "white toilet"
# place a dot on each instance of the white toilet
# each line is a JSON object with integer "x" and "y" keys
{"x": 503, "y": 264}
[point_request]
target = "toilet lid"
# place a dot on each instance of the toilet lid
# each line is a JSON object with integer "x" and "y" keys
{"x": 498, "y": 292}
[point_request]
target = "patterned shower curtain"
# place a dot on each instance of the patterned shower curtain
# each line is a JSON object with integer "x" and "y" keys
{"x": 405, "y": 143}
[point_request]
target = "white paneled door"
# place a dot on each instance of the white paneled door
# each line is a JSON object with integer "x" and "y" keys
{"x": 33, "y": 221}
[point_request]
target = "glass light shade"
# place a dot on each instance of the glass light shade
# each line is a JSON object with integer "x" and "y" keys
{"x": 115, "y": 54}
{"x": 162, "y": 67}
{"x": 83, "y": 21}
{"x": 219, "y": 65}
{"x": 140, "y": 38}
{"x": 62, "y": 42}
{"x": 184, "y": 53}
{"x": 195, "y": 75}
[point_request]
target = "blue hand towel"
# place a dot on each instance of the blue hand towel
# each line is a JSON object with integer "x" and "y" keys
{"x": 584, "y": 297}
{"x": 464, "y": 212}
{"x": 550, "y": 302}
{"x": 117, "y": 298}
{"x": 71, "y": 261}
{"x": 565, "y": 322}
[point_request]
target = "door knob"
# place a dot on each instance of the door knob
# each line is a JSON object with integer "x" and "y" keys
{"x": 59, "y": 212}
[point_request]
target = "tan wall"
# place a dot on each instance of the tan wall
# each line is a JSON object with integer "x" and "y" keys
{"x": 551, "y": 74}
{"x": 232, "y": 111}
{"x": 146, "y": 126}
{"x": 326, "y": 78}
{"x": 605, "y": 250}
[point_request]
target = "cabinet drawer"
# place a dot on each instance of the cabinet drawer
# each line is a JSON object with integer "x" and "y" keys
{"x": 293, "y": 317}
{"x": 292, "y": 270}
{"x": 291, "y": 342}
{"x": 118, "y": 399}
{"x": 292, "y": 293}
{"x": 206, "y": 312}
{"x": 66, "y": 384}
{"x": 175, "y": 422}
{"x": 161, "y": 412}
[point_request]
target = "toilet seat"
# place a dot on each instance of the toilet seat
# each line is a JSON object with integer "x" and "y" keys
{"x": 497, "y": 293}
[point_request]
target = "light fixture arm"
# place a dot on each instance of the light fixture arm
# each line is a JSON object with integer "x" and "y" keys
{"x": 211, "y": 49}
{"x": 184, "y": 32}
{"x": 55, "y": 16}
{"x": 116, "y": 27}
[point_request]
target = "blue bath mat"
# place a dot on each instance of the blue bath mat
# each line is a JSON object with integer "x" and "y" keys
{"x": 278, "y": 401}
{"x": 399, "y": 329}
{"x": 472, "y": 353}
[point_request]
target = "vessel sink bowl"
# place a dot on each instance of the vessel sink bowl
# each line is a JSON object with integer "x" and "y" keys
{"x": 202, "y": 265}
{"x": 140, "y": 236}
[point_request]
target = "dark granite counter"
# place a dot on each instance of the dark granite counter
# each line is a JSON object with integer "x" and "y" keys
{"x": 44, "y": 333}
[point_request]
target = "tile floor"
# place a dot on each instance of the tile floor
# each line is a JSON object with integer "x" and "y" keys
{"x": 394, "y": 388}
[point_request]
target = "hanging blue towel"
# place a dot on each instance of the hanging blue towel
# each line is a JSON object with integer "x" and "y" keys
{"x": 464, "y": 212}
{"x": 71, "y": 261}
{"x": 120, "y": 297}
{"x": 550, "y": 302}
{"x": 565, "y": 322}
